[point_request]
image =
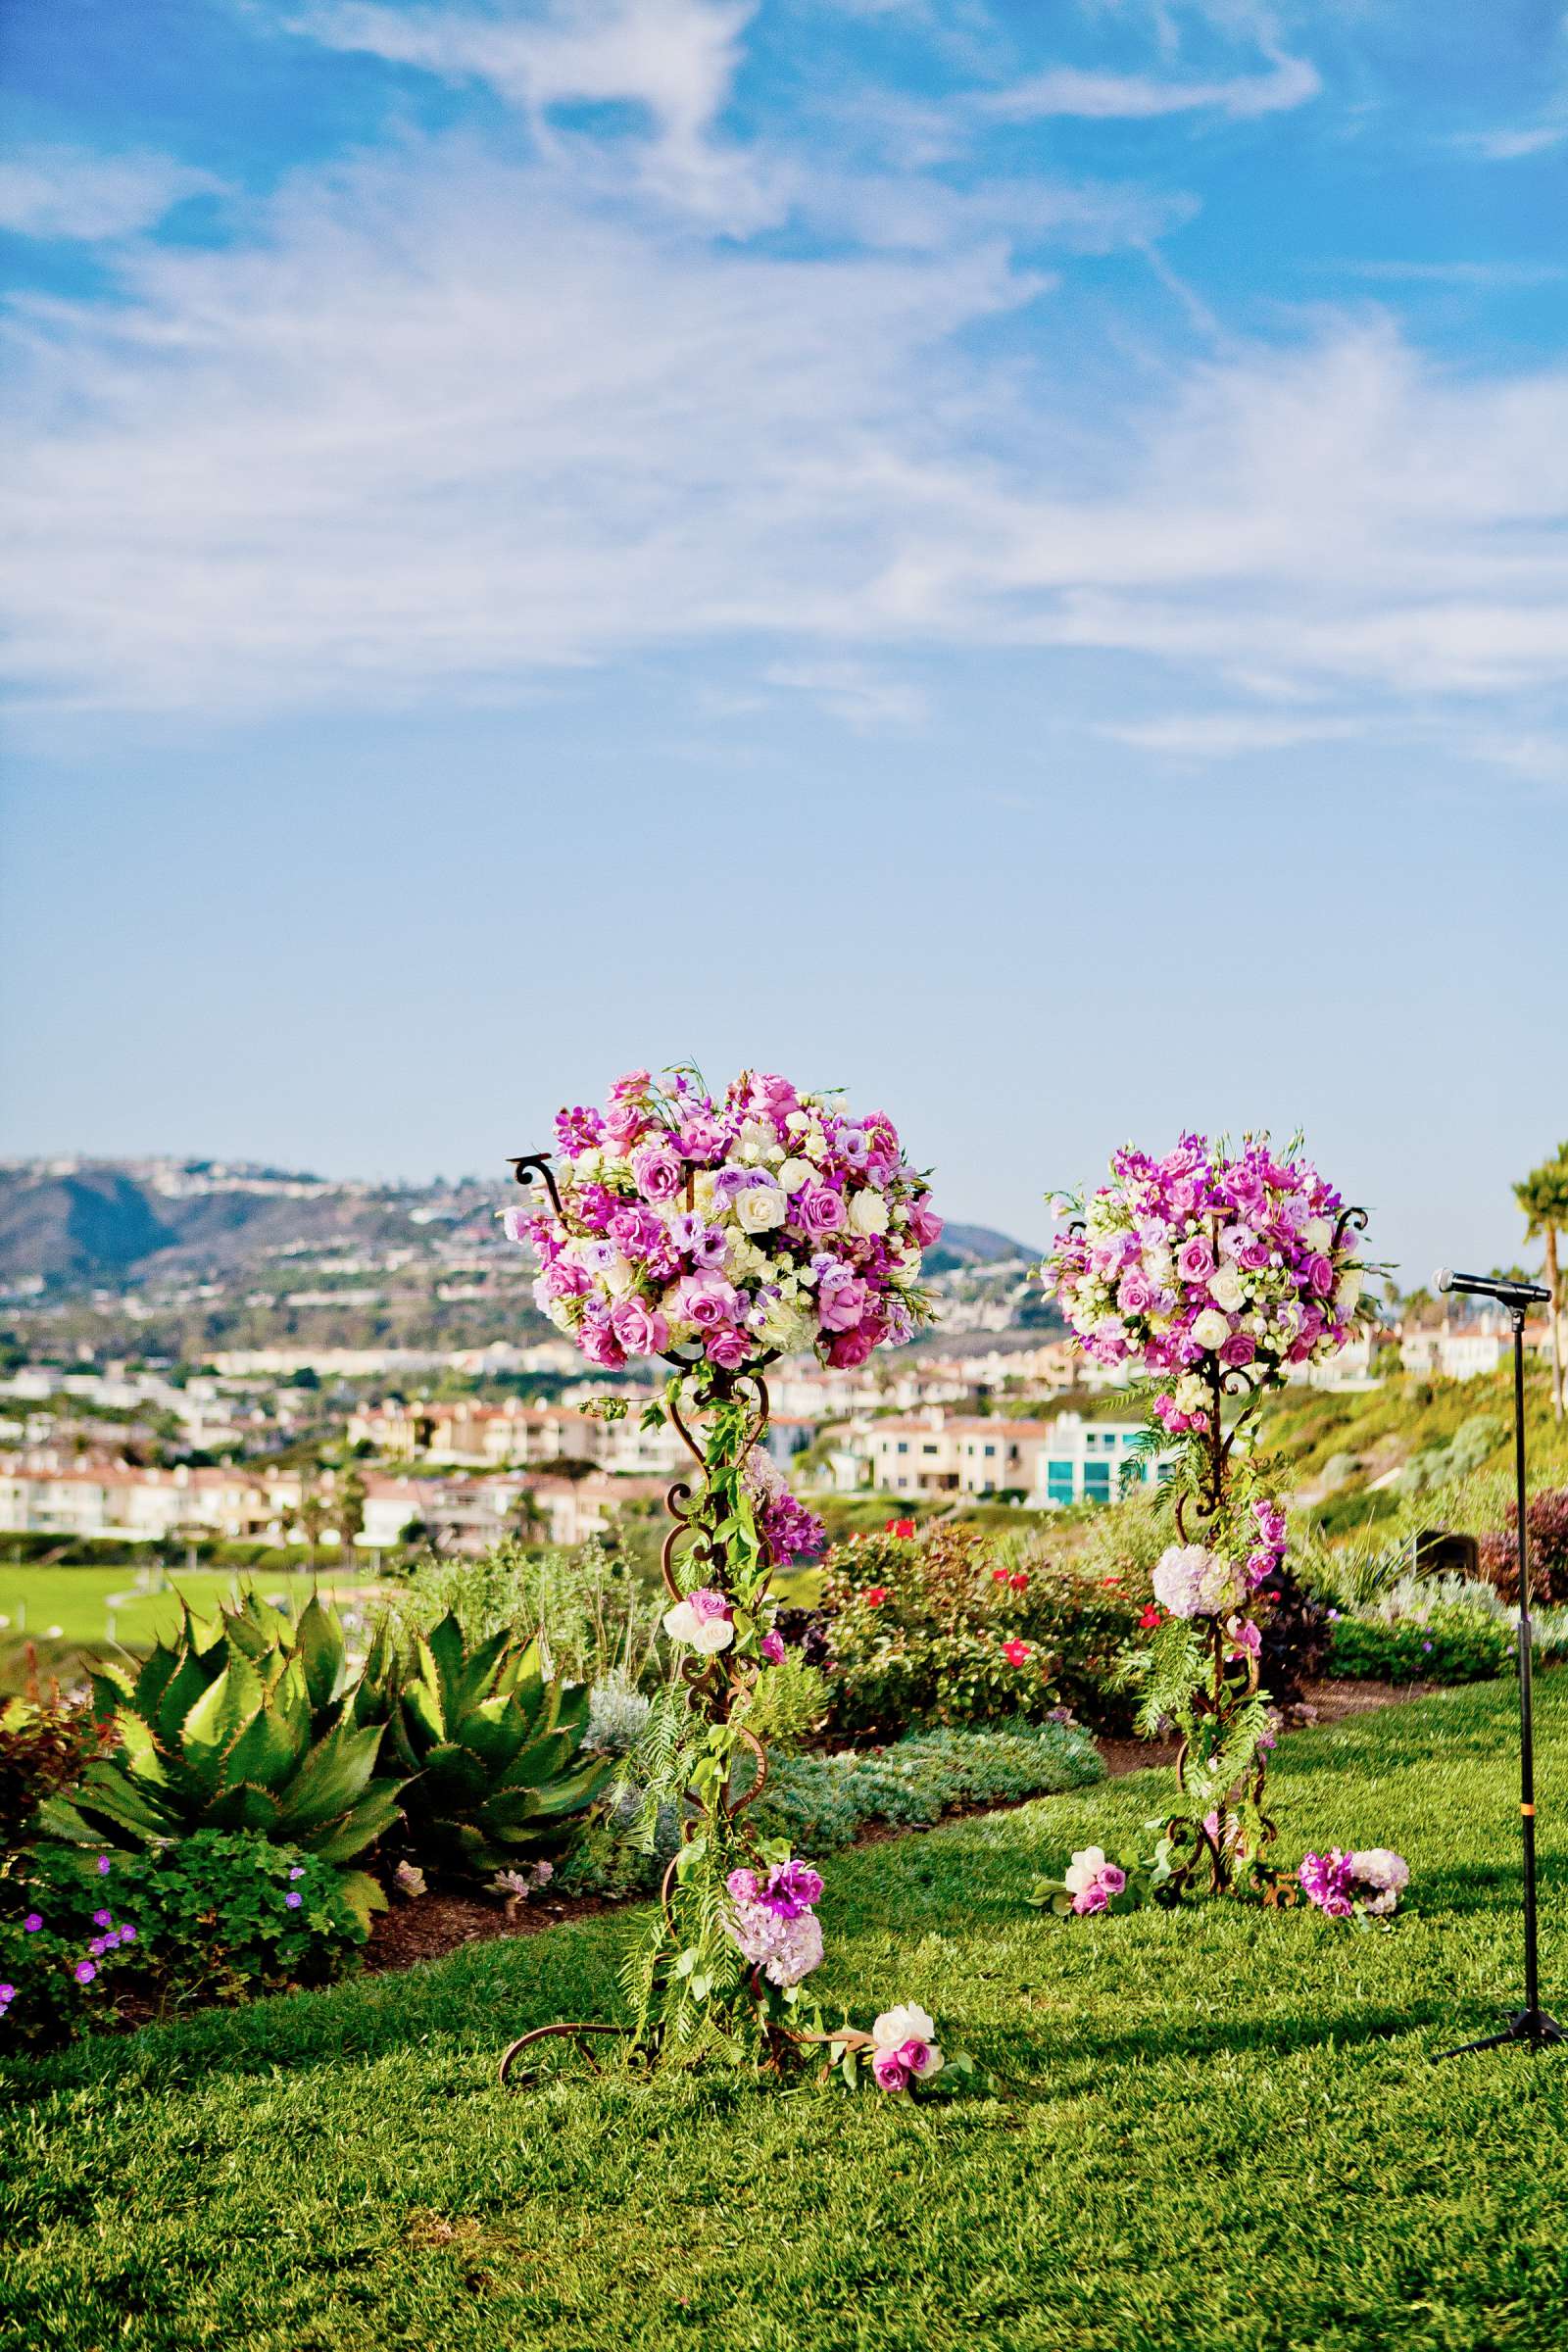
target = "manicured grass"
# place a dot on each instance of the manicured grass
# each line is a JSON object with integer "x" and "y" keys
{"x": 82, "y": 1603}
{"x": 1227, "y": 2131}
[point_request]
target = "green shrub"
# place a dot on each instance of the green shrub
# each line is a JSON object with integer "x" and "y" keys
{"x": 1450, "y": 1643}
{"x": 248, "y": 1729}
{"x": 44, "y": 1750}
{"x": 820, "y": 1803}
{"x": 953, "y": 1628}
{"x": 492, "y": 1747}
{"x": 217, "y": 1916}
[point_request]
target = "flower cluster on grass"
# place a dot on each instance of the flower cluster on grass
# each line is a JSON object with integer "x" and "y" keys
{"x": 730, "y": 1229}
{"x": 1364, "y": 1886}
{"x": 1206, "y": 1258}
{"x": 905, "y": 2049}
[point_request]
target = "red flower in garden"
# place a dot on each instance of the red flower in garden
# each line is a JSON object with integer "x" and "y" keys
{"x": 876, "y": 1597}
{"x": 999, "y": 1576}
{"x": 1149, "y": 1618}
{"x": 904, "y": 1526}
{"x": 1019, "y": 1579}
{"x": 1016, "y": 1652}
{"x": 1110, "y": 1580}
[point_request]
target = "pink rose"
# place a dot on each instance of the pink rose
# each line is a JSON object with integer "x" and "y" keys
{"x": 706, "y": 1300}
{"x": 624, "y": 1122}
{"x": 819, "y": 1209}
{"x": 1238, "y": 1350}
{"x": 774, "y": 1648}
{"x": 850, "y": 1349}
{"x": 889, "y": 2071}
{"x": 728, "y": 1348}
{"x": 1135, "y": 1294}
{"x": 1320, "y": 1274}
{"x": 1195, "y": 1261}
{"x": 701, "y": 1138}
{"x": 841, "y": 1304}
{"x": 641, "y": 1329}
{"x": 925, "y": 1224}
{"x": 658, "y": 1172}
{"x": 600, "y": 1344}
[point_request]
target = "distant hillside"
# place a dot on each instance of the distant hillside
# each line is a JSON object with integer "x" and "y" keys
{"x": 80, "y": 1222}
{"x": 965, "y": 1246}
{"x": 98, "y": 1221}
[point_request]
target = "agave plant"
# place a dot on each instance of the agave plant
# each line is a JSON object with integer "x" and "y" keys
{"x": 493, "y": 1744}
{"x": 245, "y": 1725}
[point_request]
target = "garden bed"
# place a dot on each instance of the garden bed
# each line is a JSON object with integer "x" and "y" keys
{"x": 435, "y": 1924}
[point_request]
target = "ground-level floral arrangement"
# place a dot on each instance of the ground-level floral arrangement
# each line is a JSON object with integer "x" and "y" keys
{"x": 1364, "y": 1887}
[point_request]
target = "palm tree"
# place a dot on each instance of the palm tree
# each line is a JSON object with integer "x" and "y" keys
{"x": 1543, "y": 1197}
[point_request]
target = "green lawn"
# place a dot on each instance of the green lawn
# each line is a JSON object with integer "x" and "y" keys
{"x": 100, "y": 1605}
{"x": 1228, "y": 2131}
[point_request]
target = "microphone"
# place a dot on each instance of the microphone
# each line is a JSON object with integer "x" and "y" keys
{"x": 1488, "y": 1286}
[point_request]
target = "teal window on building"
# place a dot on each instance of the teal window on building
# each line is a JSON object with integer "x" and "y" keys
{"x": 1096, "y": 1482}
{"x": 1060, "y": 1482}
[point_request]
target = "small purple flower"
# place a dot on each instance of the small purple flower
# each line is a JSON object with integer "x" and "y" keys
{"x": 103, "y": 1866}
{"x": 98, "y": 1947}
{"x": 293, "y": 1901}
{"x": 773, "y": 1646}
{"x": 84, "y": 1972}
{"x": 298, "y": 1871}
{"x": 1426, "y": 1646}
{"x": 127, "y": 1935}
{"x": 33, "y": 1922}
{"x": 102, "y": 1919}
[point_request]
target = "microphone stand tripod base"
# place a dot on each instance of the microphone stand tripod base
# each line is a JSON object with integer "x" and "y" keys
{"x": 1531, "y": 2026}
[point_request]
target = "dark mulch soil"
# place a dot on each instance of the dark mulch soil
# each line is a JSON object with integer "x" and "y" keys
{"x": 435, "y": 1922}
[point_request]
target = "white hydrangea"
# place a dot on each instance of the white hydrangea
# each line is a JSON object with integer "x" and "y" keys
{"x": 1191, "y": 1580}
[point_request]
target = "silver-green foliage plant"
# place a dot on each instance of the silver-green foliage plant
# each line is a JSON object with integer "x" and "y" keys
{"x": 243, "y": 1726}
{"x": 493, "y": 1746}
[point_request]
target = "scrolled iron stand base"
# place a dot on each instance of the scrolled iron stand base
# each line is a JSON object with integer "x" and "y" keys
{"x": 712, "y": 1684}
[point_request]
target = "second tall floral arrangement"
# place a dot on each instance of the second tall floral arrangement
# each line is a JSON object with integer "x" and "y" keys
{"x": 1210, "y": 1274}
{"x": 716, "y": 1233}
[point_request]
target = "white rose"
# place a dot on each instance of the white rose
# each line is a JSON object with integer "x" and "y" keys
{"x": 705, "y": 1199}
{"x": 1317, "y": 1233}
{"x": 761, "y": 1207}
{"x": 707, "y": 1634}
{"x": 795, "y": 1173}
{"x": 618, "y": 1277}
{"x": 1084, "y": 1869}
{"x": 907, "y": 2024}
{"x": 1225, "y": 1289}
{"x": 794, "y": 1120}
{"x": 869, "y": 1213}
{"x": 1349, "y": 1294}
{"x": 1212, "y": 1329}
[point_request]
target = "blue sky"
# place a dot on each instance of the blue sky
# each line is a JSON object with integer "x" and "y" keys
{"x": 1010, "y": 557}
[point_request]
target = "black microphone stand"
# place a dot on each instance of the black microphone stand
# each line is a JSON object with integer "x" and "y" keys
{"x": 1530, "y": 2025}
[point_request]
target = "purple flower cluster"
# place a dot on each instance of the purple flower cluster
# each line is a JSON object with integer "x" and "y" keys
{"x": 1203, "y": 1263}
{"x": 730, "y": 1231}
{"x": 786, "y": 1530}
{"x": 1343, "y": 1884}
{"x": 773, "y": 1920}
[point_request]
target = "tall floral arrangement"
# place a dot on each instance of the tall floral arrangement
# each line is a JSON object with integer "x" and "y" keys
{"x": 1209, "y": 1274}
{"x": 718, "y": 1232}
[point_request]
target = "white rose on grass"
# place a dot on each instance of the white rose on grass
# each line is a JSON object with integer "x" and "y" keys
{"x": 1225, "y": 1289}
{"x": 1210, "y": 1329}
{"x": 795, "y": 1173}
{"x": 1084, "y": 1869}
{"x": 869, "y": 1213}
{"x": 907, "y": 2024}
{"x": 761, "y": 1207}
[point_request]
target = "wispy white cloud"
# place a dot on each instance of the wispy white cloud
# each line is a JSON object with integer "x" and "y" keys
{"x": 674, "y": 58}
{"x": 1227, "y": 734}
{"x": 74, "y": 194}
{"x": 854, "y": 692}
{"x": 1066, "y": 90}
{"x": 1499, "y": 274}
{"x": 1512, "y": 146}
